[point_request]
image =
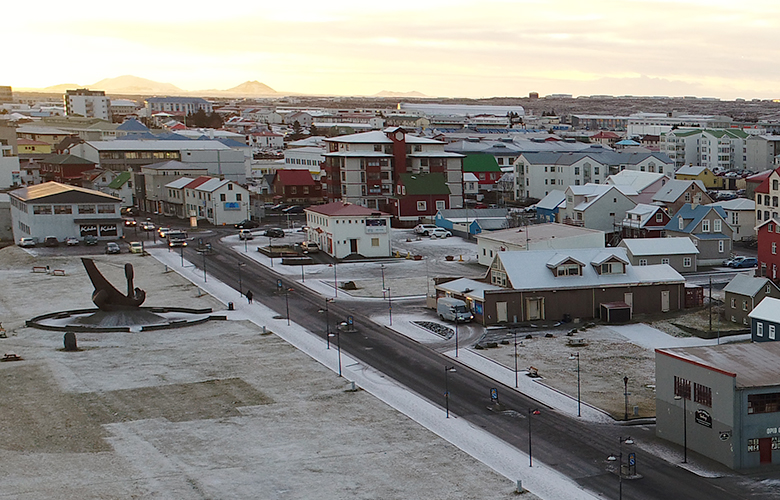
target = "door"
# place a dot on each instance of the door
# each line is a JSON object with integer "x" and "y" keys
{"x": 665, "y": 301}
{"x": 534, "y": 309}
{"x": 628, "y": 298}
{"x": 353, "y": 246}
{"x": 765, "y": 450}
{"x": 501, "y": 313}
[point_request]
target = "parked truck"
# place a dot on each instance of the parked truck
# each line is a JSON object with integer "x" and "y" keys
{"x": 453, "y": 310}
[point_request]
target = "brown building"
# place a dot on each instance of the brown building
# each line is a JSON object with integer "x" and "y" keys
{"x": 296, "y": 186}
{"x": 742, "y": 295}
{"x": 67, "y": 169}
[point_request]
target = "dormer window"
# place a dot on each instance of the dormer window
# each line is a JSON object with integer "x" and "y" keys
{"x": 612, "y": 268}
{"x": 569, "y": 270}
{"x": 705, "y": 226}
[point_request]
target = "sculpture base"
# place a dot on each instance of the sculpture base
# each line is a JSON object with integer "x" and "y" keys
{"x": 122, "y": 319}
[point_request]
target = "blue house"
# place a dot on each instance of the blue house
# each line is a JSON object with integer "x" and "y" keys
{"x": 765, "y": 320}
{"x": 547, "y": 208}
{"x": 472, "y": 221}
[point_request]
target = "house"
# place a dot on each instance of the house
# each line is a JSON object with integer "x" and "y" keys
{"x": 765, "y": 320}
{"x": 152, "y": 193}
{"x": 367, "y": 169}
{"x": 741, "y": 216}
{"x": 345, "y": 229}
{"x": 605, "y": 138}
{"x": 675, "y": 193}
{"x": 296, "y": 186}
{"x": 419, "y": 197}
{"x": 645, "y": 221}
{"x": 470, "y": 186}
{"x": 680, "y": 253}
{"x": 720, "y": 401}
{"x": 707, "y": 228}
{"x": 767, "y": 196}
{"x": 485, "y": 167}
{"x": 265, "y": 139}
{"x": 64, "y": 168}
{"x": 468, "y": 221}
{"x": 31, "y": 148}
{"x": 219, "y": 201}
{"x": 577, "y": 283}
{"x": 310, "y": 158}
{"x": 754, "y": 181}
{"x": 548, "y": 208}
{"x": 743, "y": 293}
{"x": 768, "y": 234}
{"x": 64, "y": 211}
{"x": 536, "y": 237}
{"x": 646, "y": 184}
{"x": 703, "y": 174}
{"x": 597, "y": 206}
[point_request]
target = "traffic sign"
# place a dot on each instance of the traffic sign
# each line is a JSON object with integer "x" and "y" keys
{"x": 279, "y": 284}
{"x": 632, "y": 459}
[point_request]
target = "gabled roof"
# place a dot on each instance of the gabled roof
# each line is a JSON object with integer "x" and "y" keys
{"x": 133, "y": 125}
{"x": 469, "y": 177}
{"x": 691, "y": 217}
{"x": 467, "y": 287}
{"x": 742, "y": 284}
{"x": 768, "y": 309}
{"x": 212, "y": 185}
{"x": 473, "y": 213}
{"x": 660, "y": 246}
{"x": 645, "y": 212}
{"x": 480, "y": 163}
{"x": 179, "y": 183}
{"x": 343, "y": 209}
{"x": 672, "y": 190}
{"x": 198, "y": 181}
{"x": 55, "y": 192}
{"x": 527, "y": 270}
{"x": 764, "y": 177}
{"x": 120, "y": 180}
{"x": 57, "y": 159}
{"x": 597, "y": 154}
{"x": 294, "y": 177}
{"x": 594, "y": 192}
{"x": 173, "y": 165}
{"x": 690, "y": 170}
{"x": 417, "y": 184}
{"x": 736, "y": 204}
{"x": 554, "y": 199}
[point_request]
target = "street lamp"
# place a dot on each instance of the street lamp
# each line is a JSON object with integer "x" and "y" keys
{"x": 287, "y": 303}
{"x": 338, "y": 345}
{"x": 534, "y": 411}
{"x": 456, "y": 335}
{"x": 625, "y": 395}
{"x": 447, "y": 370}
{"x": 382, "y": 267}
{"x": 685, "y": 427}
{"x": 327, "y": 321}
{"x": 515, "y": 335}
{"x": 240, "y": 286}
{"x": 576, "y": 356}
{"x": 619, "y": 459}
{"x": 390, "y": 306}
{"x": 335, "y": 281}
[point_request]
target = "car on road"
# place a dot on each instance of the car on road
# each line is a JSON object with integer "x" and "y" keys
{"x": 274, "y": 232}
{"x": 136, "y": 247}
{"x": 51, "y": 241}
{"x": 310, "y": 246}
{"x": 130, "y": 222}
{"x": 163, "y": 231}
{"x": 424, "y": 229}
{"x": 112, "y": 247}
{"x": 27, "y": 242}
{"x": 245, "y": 234}
{"x": 439, "y": 232}
{"x": 90, "y": 240}
{"x": 71, "y": 242}
{"x": 295, "y": 209}
{"x": 147, "y": 226}
{"x": 246, "y": 224}
{"x": 745, "y": 262}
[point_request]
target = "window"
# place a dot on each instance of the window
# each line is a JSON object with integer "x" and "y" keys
{"x": 659, "y": 217}
{"x": 759, "y": 329}
{"x": 705, "y": 226}
{"x": 717, "y": 226}
{"x": 774, "y": 248}
{"x": 222, "y": 197}
{"x": 721, "y": 246}
{"x": 764, "y": 403}
{"x": 374, "y": 242}
{"x": 422, "y": 206}
{"x": 770, "y": 227}
{"x": 42, "y": 209}
{"x": 686, "y": 262}
{"x": 568, "y": 270}
{"x": 682, "y": 387}
{"x": 752, "y": 443}
{"x": 63, "y": 209}
{"x": 733, "y": 303}
{"x": 440, "y": 205}
{"x": 642, "y": 262}
{"x": 702, "y": 395}
{"x": 238, "y": 195}
{"x": 744, "y": 305}
{"x": 772, "y": 332}
{"x": 293, "y": 189}
{"x": 665, "y": 260}
{"x": 612, "y": 268}
{"x": 688, "y": 197}
{"x": 680, "y": 223}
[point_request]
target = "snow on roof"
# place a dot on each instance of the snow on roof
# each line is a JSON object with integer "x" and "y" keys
{"x": 594, "y": 192}
{"x": 672, "y": 190}
{"x": 768, "y": 310}
{"x": 660, "y": 246}
{"x": 342, "y": 209}
{"x": 469, "y": 177}
{"x": 743, "y": 284}
{"x": 468, "y": 287}
{"x": 537, "y": 233}
{"x": 690, "y": 170}
{"x": 634, "y": 179}
{"x": 527, "y": 270}
{"x": 212, "y": 185}
{"x": 155, "y": 145}
{"x": 553, "y": 200}
{"x": 379, "y": 137}
{"x": 736, "y": 204}
{"x": 179, "y": 183}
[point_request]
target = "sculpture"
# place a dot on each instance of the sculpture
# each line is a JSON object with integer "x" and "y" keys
{"x": 106, "y": 296}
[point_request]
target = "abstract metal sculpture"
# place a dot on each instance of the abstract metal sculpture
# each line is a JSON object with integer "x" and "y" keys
{"x": 106, "y": 296}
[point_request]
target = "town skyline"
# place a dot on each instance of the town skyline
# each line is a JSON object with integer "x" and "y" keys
{"x": 440, "y": 49}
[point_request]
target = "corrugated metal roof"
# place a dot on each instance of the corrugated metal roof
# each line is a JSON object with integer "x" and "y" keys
{"x": 660, "y": 246}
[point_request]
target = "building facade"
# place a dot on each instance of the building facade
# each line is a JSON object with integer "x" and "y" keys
{"x": 87, "y": 103}
{"x": 344, "y": 229}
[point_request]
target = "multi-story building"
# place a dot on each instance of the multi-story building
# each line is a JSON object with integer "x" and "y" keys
{"x": 6, "y": 94}
{"x": 310, "y": 158}
{"x": 153, "y": 192}
{"x": 365, "y": 169}
{"x": 768, "y": 198}
{"x": 716, "y": 149}
{"x": 343, "y": 229}
{"x": 762, "y": 152}
{"x": 640, "y": 124}
{"x": 597, "y": 206}
{"x": 178, "y": 105}
{"x": 88, "y": 103}
{"x": 10, "y": 173}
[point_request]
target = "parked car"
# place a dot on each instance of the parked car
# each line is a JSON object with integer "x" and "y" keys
{"x": 72, "y": 242}
{"x": 245, "y": 234}
{"x": 27, "y": 242}
{"x": 310, "y": 246}
{"x": 732, "y": 262}
{"x": 424, "y": 229}
{"x": 274, "y": 232}
{"x": 90, "y": 240}
{"x": 131, "y": 222}
{"x": 163, "y": 231}
{"x": 246, "y": 224}
{"x": 136, "y": 247}
{"x": 745, "y": 262}
{"x": 439, "y": 232}
{"x": 295, "y": 209}
{"x": 112, "y": 247}
{"x": 51, "y": 241}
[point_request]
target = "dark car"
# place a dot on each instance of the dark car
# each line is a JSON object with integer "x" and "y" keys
{"x": 51, "y": 241}
{"x": 295, "y": 209}
{"x": 90, "y": 240}
{"x": 112, "y": 247}
{"x": 246, "y": 224}
{"x": 274, "y": 232}
{"x": 746, "y": 262}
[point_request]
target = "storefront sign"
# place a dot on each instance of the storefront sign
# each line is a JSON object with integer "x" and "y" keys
{"x": 703, "y": 417}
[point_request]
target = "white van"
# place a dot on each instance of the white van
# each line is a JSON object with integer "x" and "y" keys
{"x": 453, "y": 310}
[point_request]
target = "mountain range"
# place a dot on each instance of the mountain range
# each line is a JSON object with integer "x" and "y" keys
{"x": 134, "y": 85}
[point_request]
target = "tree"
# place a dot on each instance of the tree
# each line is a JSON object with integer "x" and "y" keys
{"x": 313, "y": 130}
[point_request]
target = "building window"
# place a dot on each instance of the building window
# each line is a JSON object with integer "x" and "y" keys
{"x": 680, "y": 224}
{"x": 688, "y": 197}
{"x": 759, "y": 329}
{"x": 682, "y": 387}
{"x": 293, "y": 190}
{"x": 702, "y": 395}
{"x": 733, "y": 303}
{"x": 665, "y": 260}
{"x": 764, "y": 403}
{"x": 440, "y": 205}
{"x": 772, "y": 332}
{"x": 716, "y": 226}
{"x": 63, "y": 209}
{"x": 686, "y": 262}
{"x": 774, "y": 248}
{"x": 721, "y": 246}
{"x": 374, "y": 242}
{"x": 422, "y": 206}
{"x": 42, "y": 209}
{"x": 752, "y": 443}
{"x": 659, "y": 217}
{"x": 642, "y": 262}
{"x": 222, "y": 197}
{"x": 744, "y": 305}
{"x": 705, "y": 226}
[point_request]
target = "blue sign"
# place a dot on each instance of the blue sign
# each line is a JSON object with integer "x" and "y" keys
{"x": 232, "y": 205}
{"x": 632, "y": 459}
{"x": 494, "y": 394}
{"x": 279, "y": 284}
{"x": 349, "y": 319}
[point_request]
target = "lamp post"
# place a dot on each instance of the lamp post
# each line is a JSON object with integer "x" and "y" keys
{"x": 625, "y": 395}
{"x": 382, "y": 267}
{"x": 181, "y": 250}
{"x": 447, "y": 370}
{"x": 576, "y": 356}
{"x": 534, "y": 411}
{"x": 456, "y": 335}
{"x": 327, "y": 321}
{"x": 685, "y": 428}
{"x": 287, "y": 303}
{"x": 516, "y": 381}
{"x": 619, "y": 459}
{"x": 240, "y": 286}
{"x": 204, "y": 265}
{"x": 338, "y": 345}
{"x": 335, "y": 281}
{"x": 390, "y": 306}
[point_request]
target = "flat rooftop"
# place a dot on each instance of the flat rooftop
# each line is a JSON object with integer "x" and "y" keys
{"x": 537, "y": 232}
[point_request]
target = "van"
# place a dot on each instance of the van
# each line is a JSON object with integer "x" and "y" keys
{"x": 177, "y": 238}
{"x": 453, "y": 310}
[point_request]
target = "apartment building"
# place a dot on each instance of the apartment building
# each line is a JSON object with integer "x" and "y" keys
{"x": 87, "y": 103}
{"x": 716, "y": 149}
{"x": 178, "y": 105}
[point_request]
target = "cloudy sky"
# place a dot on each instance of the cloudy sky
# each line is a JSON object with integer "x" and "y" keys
{"x": 707, "y": 48}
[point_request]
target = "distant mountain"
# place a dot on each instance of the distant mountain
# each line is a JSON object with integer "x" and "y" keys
{"x": 128, "y": 84}
{"x": 391, "y": 93}
{"x": 251, "y": 88}
{"x": 61, "y": 88}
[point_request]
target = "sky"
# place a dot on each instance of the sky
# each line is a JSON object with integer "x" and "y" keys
{"x": 452, "y": 48}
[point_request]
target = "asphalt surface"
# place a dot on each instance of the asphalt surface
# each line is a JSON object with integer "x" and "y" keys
{"x": 574, "y": 448}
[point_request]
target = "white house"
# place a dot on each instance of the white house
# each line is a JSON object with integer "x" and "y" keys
{"x": 64, "y": 211}
{"x": 265, "y": 140}
{"x": 219, "y": 201}
{"x": 10, "y": 172}
{"x": 597, "y": 206}
{"x": 740, "y": 215}
{"x": 342, "y": 229}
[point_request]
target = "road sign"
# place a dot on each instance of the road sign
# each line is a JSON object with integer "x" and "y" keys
{"x": 279, "y": 284}
{"x": 349, "y": 320}
{"x": 494, "y": 394}
{"x": 632, "y": 459}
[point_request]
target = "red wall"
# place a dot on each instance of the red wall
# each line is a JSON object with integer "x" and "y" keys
{"x": 765, "y": 256}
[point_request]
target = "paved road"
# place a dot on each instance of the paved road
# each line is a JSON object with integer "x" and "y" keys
{"x": 573, "y": 447}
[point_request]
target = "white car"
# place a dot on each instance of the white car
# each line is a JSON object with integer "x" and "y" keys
{"x": 424, "y": 229}
{"x": 439, "y": 232}
{"x": 26, "y": 242}
{"x": 72, "y": 242}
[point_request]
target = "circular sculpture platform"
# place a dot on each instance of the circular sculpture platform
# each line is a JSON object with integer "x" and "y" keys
{"x": 135, "y": 319}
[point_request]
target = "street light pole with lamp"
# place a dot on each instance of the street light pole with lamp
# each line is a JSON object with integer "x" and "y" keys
{"x": 287, "y": 302}
{"x": 447, "y": 371}
{"x": 576, "y": 356}
{"x": 456, "y": 335}
{"x": 240, "y": 285}
{"x": 619, "y": 459}
{"x": 514, "y": 334}
{"x": 625, "y": 395}
{"x": 338, "y": 345}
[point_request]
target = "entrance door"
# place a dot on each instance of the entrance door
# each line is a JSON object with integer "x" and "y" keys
{"x": 353, "y": 246}
{"x": 501, "y": 313}
{"x": 628, "y": 298}
{"x": 665, "y": 301}
{"x": 765, "y": 450}
{"x": 534, "y": 308}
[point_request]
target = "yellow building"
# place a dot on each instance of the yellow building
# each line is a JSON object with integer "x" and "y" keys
{"x": 703, "y": 174}
{"x": 31, "y": 147}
